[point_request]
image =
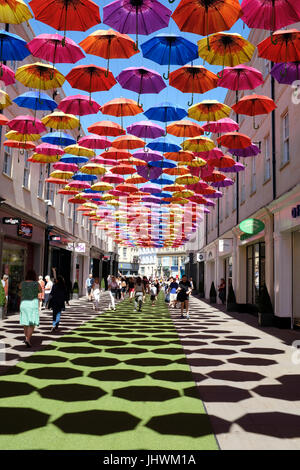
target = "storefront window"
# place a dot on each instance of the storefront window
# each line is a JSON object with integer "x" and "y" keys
{"x": 255, "y": 270}
{"x": 13, "y": 264}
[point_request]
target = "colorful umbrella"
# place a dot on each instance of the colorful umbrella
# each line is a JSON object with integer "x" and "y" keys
{"x": 40, "y": 158}
{"x": 198, "y": 144}
{"x": 111, "y": 178}
{"x": 129, "y": 142}
{"x": 7, "y": 75}
{"x": 241, "y": 77}
{"x": 14, "y": 12}
{"x": 19, "y": 145}
{"x": 270, "y": 15}
{"x": 136, "y": 179}
{"x": 234, "y": 168}
{"x": 226, "y": 49}
{"x": 185, "y": 128}
{"x": 141, "y": 80}
{"x": 151, "y": 188}
{"x": 107, "y": 128}
{"x": 234, "y": 140}
{"x": 148, "y": 156}
{"x": 116, "y": 154}
{"x": 5, "y": 100}
{"x": 206, "y": 16}
{"x": 162, "y": 164}
{"x": 223, "y": 184}
{"x": 14, "y": 135}
{"x": 136, "y": 17}
{"x": 109, "y": 44}
{"x": 80, "y": 105}
{"x": 163, "y": 145}
{"x": 193, "y": 79}
{"x": 286, "y": 73}
{"x": 165, "y": 112}
{"x": 169, "y": 49}
{"x": 254, "y": 105}
{"x": 65, "y": 175}
{"x": 73, "y": 159}
{"x": 209, "y": 110}
{"x": 12, "y": 47}
{"x": 90, "y": 78}
{"x": 40, "y": 76}
{"x": 181, "y": 156}
{"x": 58, "y": 138}
{"x": 93, "y": 169}
{"x": 250, "y": 151}
{"x": 36, "y": 100}
{"x": 54, "y": 48}
{"x": 177, "y": 171}
{"x": 121, "y": 107}
{"x": 49, "y": 149}
{"x": 122, "y": 169}
{"x": 187, "y": 179}
{"x": 65, "y": 167}
{"x": 94, "y": 141}
{"x": 146, "y": 129}
{"x": 222, "y": 162}
{"x": 60, "y": 121}
{"x": 79, "y": 151}
{"x": 222, "y": 125}
{"x": 282, "y": 46}
{"x": 66, "y": 15}
{"x": 27, "y": 125}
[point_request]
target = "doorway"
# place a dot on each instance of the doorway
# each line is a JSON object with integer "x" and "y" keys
{"x": 296, "y": 277}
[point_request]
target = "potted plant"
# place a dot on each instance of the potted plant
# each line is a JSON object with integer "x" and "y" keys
{"x": 212, "y": 294}
{"x": 231, "y": 300}
{"x": 265, "y": 308}
{"x": 75, "y": 290}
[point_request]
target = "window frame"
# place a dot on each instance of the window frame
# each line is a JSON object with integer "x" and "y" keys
{"x": 285, "y": 139}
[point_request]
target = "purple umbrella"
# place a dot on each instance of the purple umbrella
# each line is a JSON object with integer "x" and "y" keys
{"x": 136, "y": 17}
{"x": 146, "y": 130}
{"x": 206, "y": 211}
{"x": 235, "y": 168}
{"x": 250, "y": 151}
{"x": 223, "y": 184}
{"x": 286, "y": 73}
{"x": 150, "y": 156}
{"x": 216, "y": 195}
{"x": 151, "y": 199}
{"x": 209, "y": 202}
{"x": 149, "y": 172}
{"x": 151, "y": 188}
{"x": 141, "y": 80}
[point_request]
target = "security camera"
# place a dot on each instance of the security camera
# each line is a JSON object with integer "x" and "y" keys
{"x": 48, "y": 202}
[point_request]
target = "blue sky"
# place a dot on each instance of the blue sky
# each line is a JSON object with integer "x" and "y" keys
{"x": 117, "y": 65}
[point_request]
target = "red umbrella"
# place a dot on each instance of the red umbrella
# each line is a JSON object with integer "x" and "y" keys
{"x": 234, "y": 140}
{"x": 254, "y": 105}
{"x": 91, "y": 78}
{"x": 107, "y": 128}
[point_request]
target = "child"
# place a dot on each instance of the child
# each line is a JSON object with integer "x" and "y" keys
{"x": 153, "y": 294}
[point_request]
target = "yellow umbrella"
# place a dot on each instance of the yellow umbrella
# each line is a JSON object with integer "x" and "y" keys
{"x": 14, "y": 12}
{"x": 102, "y": 186}
{"x": 14, "y": 135}
{"x": 40, "y": 76}
{"x": 5, "y": 100}
{"x": 198, "y": 144}
{"x": 197, "y": 162}
{"x": 40, "y": 158}
{"x": 180, "y": 201}
{"x": 93, "y": 169}
{"x": 60, "y": 121}
{"x": 79, "y": 151}
{"x": 173, "y": 188}
{"x": 185, "y": 194}
{"x": 209, "y": 110}
{"x": 113, "y": 203}
{"x": 66, "y": 175}
{"x": 187, "y": 179}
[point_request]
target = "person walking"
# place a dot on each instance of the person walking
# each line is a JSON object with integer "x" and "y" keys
{"x": 88, "y": 285}
{"x": 96, "y": 294}
{"x": 222, "y": 290}
{"x": 123, "y": 288}
{"x": 29, "y": 307}
{"x": 113, "y": 288}
{"x": 48, "y": 288}
{"x": 153, "y": 293}
{"x": 57, "y": 300}
{"x": 119, "y": 289}
{"x": 173, "y": 292}
{"x": 131, "y": 289}
{"x": 4, "y": 282}
{"x": 41, "y": 294}
{"x": 184, "y": 290}
{"x": 157, "y": 285}
{"x": 2, "y": 301}
{"x": 139, "y": 293}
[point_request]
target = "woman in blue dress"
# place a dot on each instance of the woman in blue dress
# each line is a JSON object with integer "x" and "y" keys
{"x": 29, "y": 308}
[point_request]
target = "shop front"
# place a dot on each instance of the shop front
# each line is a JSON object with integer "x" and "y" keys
{"x": 96, "y": 262}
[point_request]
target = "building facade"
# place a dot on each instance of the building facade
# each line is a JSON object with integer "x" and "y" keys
{"x": 128, "y": 261}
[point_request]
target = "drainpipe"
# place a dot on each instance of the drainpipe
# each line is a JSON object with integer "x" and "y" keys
{"x": 237, "y": 175}
{"x": 273, "y": 139}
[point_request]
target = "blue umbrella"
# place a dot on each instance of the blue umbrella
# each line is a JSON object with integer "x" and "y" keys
{"x": 83, "y": 177}
{"x": 58, "y": 138}
{"x": 169, "y": 49}
{"x": 12, "y": 47}
{"x": 163, "y": 194}
{"x": 163, "y": 164}
{"x": 73, "y": 159}
{"x": 36, "y": 100}
{"x": 162, "y": 181}
{"x": 165, "y": 112}
{"x": 163, "y": 145}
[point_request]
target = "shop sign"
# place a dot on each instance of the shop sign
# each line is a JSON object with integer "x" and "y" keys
{"x": 25, "y": 230}
{"x": 80, "y": 247}
{"x": 252, "y": 226}
{"x": 201, "y": 257}
{"x": 11, "y": 221}
{"x": 55, "y": 238}
{"x": 296, "y": 211}
{"x": 225, "y": 245}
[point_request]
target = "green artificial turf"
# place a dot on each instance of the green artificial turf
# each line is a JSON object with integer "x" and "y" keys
{"x": 118, "y": 382}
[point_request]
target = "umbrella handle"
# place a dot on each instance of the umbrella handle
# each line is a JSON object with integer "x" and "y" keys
{"x": 274, "y": 41}
{"x": 284, "y": 72}
{"x": 171, "y": 1}
{"x": 254, "y": 126}
{"x": 220, "y": 74}
{"x": 166, "y": 77}
{"x": 190, "y": 103}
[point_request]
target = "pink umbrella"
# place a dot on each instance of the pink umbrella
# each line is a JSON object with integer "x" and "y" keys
{"x": 79, "y": 184}
{"x": 94, "y": 141}
{"x": 270, "y": 15}
{"x": 104, "y": 161}
{"x": 80, "y": 105}
{"x": 241, "y": 77}
{"x": 55, "y": 48}
{"x": 49, "y": 149}
{"x": 223, "y": 125}
{"x": 27, "y": 125}
{"x": 146, "y": 130}
{"x": 65, "y": 166}
{"x": 115, "y": 192}
{"x": 214, "y": 153}
{"x": 7, "y": 75}
{"x": 113, "y": 179}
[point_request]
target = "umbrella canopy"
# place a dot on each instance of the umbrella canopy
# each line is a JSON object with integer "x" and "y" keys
{"x": 241, "y": 77}
{"x": 94, "y": 141}
{"x": 49, "y": 149}
{"x": 65, "y": 166}
{"x": 163, "y": 164}
{"x": 27, "y": 125}
{"x": 116, "y": 154}
{"x": 185, "y": 128}
{"x": 111, "y": 178}
{"x": 7, "y": 75}
{"x": 12, "y": 47}
{"x": 222, "y": 162}
{"x": 3, "y": 120}
{"x": 90, "y": 78}
{"x": 58, "y": 138}
{"x": 250, "y": 151}
{"x": 14, "y": 12}
{"x": 36, "y": 100}
{"x": 60, "y": 121}
{"x": 146, "y": 129}
{"x": 286, "y": 73}
{"x": 77, "y": 150}
{"x": 80, "y": 105}
{"x": 282, "y": 46}
{"x": 128, "y": 142}
{"x": 162, "y": 181}
{"x": 169, "y": 49}
{"x": 136, "y": 17}
{"x": 268, "y": 15}
{"x": 181, "y": 156}
{"x": 149, "y": 172}
{"x": 223, "y": 184}
{"x": 14, "y": 135}
{"x": 5, "y": 100}
{"x": 234, "y": 168}
{"x": 226, "y": 49}
{"x": 121, "y": 107}
{"x": 163, "y": 145}
{"x": 107, "y": 128}
{"x": 149, "y": 156}
{"x": 141, "y": 80}
{"x": 254, "y": 105}
{"x": 223, "y": 125}
{"x": 61, "y": 174}
{"x": 177, "y": 171}
{"x": 122, "y": 169}
{"x": 151, "y": 188}
{"x": 73, "y": 159}
{"x": 209, "y": 110}
{"x": 234, "y": 140}
{"x": 19, "y": 145}
{"x": 198, "y": 144}
{"x": 66, "y": 15}
{"x": 109, "y": 44}
{"x": 165, "y": 112}
{"x": 187, "y": 179}
{"x": 40, "y": 76}
{"x": 193, "y": 79}
{"x": 54, "y": 48}
{"x": 136, "y": 179}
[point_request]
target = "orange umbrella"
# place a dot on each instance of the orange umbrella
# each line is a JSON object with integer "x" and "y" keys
{"x": 254, "y": 105}
{"x": 127, "y": 188}
{"x": 176, "y": 171}
{"x": 91, "y": 78}
{"x": 193, "y": 79}
{"x": 206, "y": 16}
{"x": 3, "y": 120}
{"x": 234, "y": 140}
{"x": 19, "y": 145}
{"x": 107, "y": 128}
{"x": 214, "y": 177}
{"x": 116, "y": 154}
{"x": 222, "y": 162}
{"x": 185, "y": 128}
{"x": 109, "y": 44}
{"x": 136, "y": 179}
{"x": 121, "y": 107}
{"x": 181, "y": 156}
{"x": 123, "y": 170}
{"x": 128, "y": 142}
{"x": 52, "y": 180}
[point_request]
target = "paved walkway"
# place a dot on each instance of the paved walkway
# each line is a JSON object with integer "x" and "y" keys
{"x": 125, "y": 380}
